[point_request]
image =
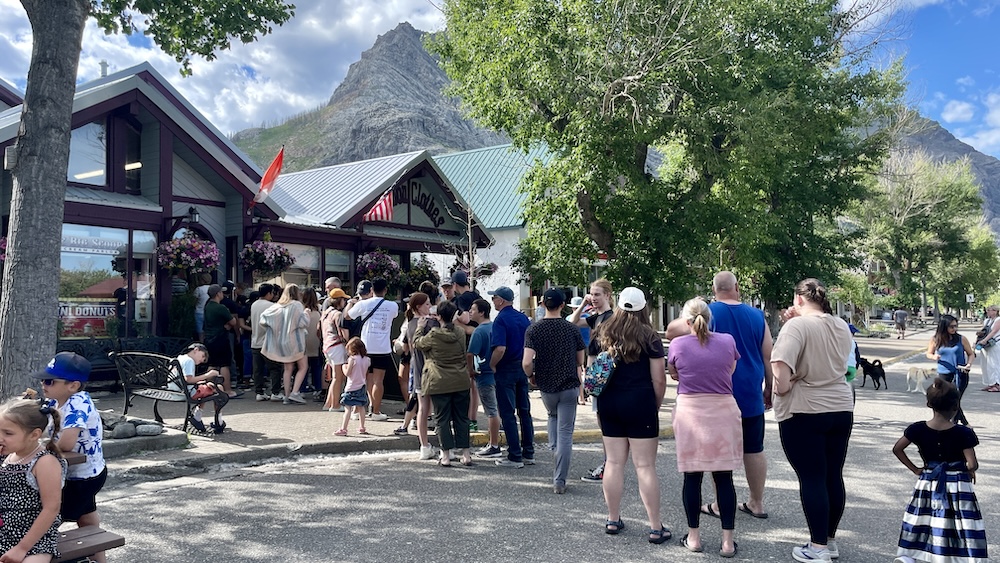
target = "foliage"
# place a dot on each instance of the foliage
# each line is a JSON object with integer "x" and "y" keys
{"x": 189, "y": 253}
{"x": 722, "y": 89}
{"x": 73, "y": 282}
{"x": 265, "y": 259}
{"x": 183, "y": 28}
{"x": 378, "y": 264}
{"x": 180, "y": 315}
{"x": 421, "y": 270}
{"x": 530, "y": 268}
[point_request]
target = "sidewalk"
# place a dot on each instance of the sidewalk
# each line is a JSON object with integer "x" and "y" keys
{"x": 258, "y": 431}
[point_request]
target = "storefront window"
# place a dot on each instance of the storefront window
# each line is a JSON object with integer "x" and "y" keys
{"x": 88, "y": 155}
{"x": 95, "y": 300}
{"x": 338, "y": 263}
{"x": 305, "y": 272}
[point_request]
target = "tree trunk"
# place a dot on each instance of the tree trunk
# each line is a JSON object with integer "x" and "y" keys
{"x": 29, "y": 306}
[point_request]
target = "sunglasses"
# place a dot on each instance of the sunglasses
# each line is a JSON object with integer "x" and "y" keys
{"x": 952, "y": 326}
{"x": 50, "y": 382}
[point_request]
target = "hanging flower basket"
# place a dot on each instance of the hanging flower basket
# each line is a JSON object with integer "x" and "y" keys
{"x": 265, "y": 259}
{"x": 378, "y": 264}
{"x": 188, "y": 253}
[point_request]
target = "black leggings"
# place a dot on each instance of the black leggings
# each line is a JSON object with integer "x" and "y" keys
{"x": 725, "y": 491}
{"x": 816, "y": 447}
{"x": 963, "y": 384}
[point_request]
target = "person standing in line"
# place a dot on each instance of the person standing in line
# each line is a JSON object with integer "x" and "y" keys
{"x": 706, "y": 421}
{"x": 748, "y": 327}
{"x": 285, "y": 341}
{"x": 478, "y": 360}
{"x": 219, "y": 324}
{"x": 314, "y": 340}
{"x": 629, "y": 409}
{"x": 899, "y": 316}
{"x": 266, "y": 373}
{"x": 507, "y": 340}
{"x": 600, "y": 305}
{"x": 418, "y": 312}
{"x": 554, "y": 352}
{"x": 376, "y": 314}
{"x": 447, "y": 289}
{"x": 814, "y": 408}
{"x": 334, "y": 347}
{"x": 201, "y": 294}
{"x": 465, "y": 296}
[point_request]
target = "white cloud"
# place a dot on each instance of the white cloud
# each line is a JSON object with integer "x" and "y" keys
{"x": 992, "y": 102}
{"x": 966, "y": 81}
{"x": 294, "y": 69}
{"x": 957, "y": 112}
{"x": 986, "y": 141}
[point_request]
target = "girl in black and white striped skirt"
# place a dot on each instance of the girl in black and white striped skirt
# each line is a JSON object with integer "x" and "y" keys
{"x": 943, "y": 523}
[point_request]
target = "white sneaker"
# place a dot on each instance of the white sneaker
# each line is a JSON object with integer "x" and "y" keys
{"x": 507, "y": 462}
{"x": 355, "y": 417}
{"x": 903, "y": 559}
{"x": 832, "y": 547}
{"x": 336, "y": 409}
{"x": 296, "y": 398}
{"x": 378, "y": 416}
{"x": 262, "y": 397}
{"x": 278, "y": 397}
{"x": 426, "y": 452}
{"x": 809, "y": 554}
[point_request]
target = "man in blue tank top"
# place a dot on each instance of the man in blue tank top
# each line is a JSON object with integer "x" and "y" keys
{"x": 751, "y": 382}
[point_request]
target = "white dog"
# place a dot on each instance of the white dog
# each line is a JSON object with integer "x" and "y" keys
{"x": 919, "y": 378}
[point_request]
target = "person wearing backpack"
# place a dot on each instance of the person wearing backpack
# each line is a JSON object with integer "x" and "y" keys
{"x": 376, "y": 314}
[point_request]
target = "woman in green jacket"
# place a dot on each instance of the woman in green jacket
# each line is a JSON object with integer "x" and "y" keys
{"x": 446, "y": 381}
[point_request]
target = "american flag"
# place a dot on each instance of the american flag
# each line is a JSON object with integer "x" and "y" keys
{"x": 382, "y": 210}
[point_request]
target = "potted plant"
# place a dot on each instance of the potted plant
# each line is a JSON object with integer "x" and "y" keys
{"x": 188, "y": 253}
{"x": 378, "y": 264}
{"x": 265, "y": 259}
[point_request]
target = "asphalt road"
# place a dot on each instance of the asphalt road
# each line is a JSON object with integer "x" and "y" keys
{"x": 391, "y": 507}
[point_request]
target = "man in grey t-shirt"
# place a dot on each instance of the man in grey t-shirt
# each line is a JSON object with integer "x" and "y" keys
{"x": 900, "y": 315}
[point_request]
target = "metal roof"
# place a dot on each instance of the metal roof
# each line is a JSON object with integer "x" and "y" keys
{"x": 110, "y": 199}
{"x": 334, "y": 194}
{"x": 488, "y": 179}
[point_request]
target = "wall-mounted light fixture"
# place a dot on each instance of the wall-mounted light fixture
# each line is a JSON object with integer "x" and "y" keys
{"x": 192, "y": 217}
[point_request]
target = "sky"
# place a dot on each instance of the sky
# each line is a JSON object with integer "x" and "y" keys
{"x": 949, "y": 48}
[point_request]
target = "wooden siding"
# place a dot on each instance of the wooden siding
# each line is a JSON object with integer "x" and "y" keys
{"x": 188, "y": 183}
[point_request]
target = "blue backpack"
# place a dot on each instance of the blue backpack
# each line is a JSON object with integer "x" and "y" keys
{"x": 598, "y": 374}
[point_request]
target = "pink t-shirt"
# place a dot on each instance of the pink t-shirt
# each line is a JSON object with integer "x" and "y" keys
{"x": 704, "y": 369}
{"x": 356, "y": 377}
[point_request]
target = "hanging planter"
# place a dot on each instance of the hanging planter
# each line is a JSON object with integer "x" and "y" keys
{"x": 378, "y": 264}
{"x": 188, "y": 253}
{"x": 265, "y": 259}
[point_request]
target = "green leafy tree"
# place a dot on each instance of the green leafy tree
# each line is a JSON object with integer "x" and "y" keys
{"x": 759, "y": 106}
{"x": 182, "y": 28}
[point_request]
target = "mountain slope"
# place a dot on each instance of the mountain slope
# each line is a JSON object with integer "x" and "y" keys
{"x": 390, "y": 102}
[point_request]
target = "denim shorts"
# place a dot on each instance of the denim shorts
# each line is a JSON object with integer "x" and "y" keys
{"x": 356, "y": 398}
{"x": 488, "y": 398}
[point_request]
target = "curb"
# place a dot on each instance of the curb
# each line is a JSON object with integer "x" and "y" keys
{"x": 903, "y": 356}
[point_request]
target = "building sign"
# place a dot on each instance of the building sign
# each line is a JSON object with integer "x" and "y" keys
{"x": 86, "y": 318}
{"x": 93, "y": 245}
{"x": 420, "y": 196}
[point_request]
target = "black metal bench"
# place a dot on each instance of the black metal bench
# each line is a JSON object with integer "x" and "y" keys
{"x": 79, "y": 544}
{"x": 157, "y": 377}
{"x": 96, "y": 351}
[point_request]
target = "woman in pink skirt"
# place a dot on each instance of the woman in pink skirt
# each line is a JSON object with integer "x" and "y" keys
{"x": 707, "y": 428}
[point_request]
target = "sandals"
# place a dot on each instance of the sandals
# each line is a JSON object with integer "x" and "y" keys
{"x": 618, "y": 526}
{"x": 684, "y": 542}
{"x": 662, "y": 535}
{"x": 362, "y": 431}
{"x": 730, "y": 554}
{"x": 340, "y": 432}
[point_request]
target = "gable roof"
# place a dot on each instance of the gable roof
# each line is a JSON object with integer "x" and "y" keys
{"x": 488, "y": 179}
{"x": 148, "y": 82}
{"x": 9, "y": 95}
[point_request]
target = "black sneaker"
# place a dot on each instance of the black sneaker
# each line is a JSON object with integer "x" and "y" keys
{"x": 595, "y": 476}
{"x": 490, "y": 452}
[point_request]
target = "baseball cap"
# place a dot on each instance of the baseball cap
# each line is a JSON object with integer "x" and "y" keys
{"x": 460, "y": 278}
{"x": 364, "y": 287}
{"x": 68, "y": 366}
{"x": 228, "y": 287}
{"x": 447, "y": 281}
{"x": 632, "y": 299}
{"x": 553, "y": 298}
{"x": 337, "y": 293}
{"x": 214, "y": 290}
{"x": 503, "y": 292}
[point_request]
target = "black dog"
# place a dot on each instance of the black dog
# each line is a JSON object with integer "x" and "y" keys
{"x": 875, "y": 371}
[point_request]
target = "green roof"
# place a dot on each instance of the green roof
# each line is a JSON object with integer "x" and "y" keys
{"x": 488, "y": 180}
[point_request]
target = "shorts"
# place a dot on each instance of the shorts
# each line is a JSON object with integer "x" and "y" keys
{"x": 79, "y": 496}
{"x": 488, "y": 398}
{"x": 629, "y": 415}
{"x": 336, "y": 355}
{"x": 753, "y": 434}
{"x": 901, "y": 326}
{"x": 356, "y": 398}
{"x": 220, "y": 352}
{"x": 381, "y": 361}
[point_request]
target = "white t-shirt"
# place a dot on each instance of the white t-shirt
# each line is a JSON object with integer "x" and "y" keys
{"x": 79, "y": 412}
{"x": 187, "y": 369}
{"x": 375, "y": 332}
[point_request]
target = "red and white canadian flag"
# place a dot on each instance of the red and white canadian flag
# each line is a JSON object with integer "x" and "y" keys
{"x": 270, "y": 177}
{"x": 382, "y": 210}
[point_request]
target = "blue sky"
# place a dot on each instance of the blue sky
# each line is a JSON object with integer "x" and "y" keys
{"x": 950, "y": 49}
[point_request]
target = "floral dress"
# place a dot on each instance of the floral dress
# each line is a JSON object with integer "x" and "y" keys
{"x": 20, "y": 505}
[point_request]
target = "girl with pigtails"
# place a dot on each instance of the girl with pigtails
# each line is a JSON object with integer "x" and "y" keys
{"x": 32, "y": 472}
